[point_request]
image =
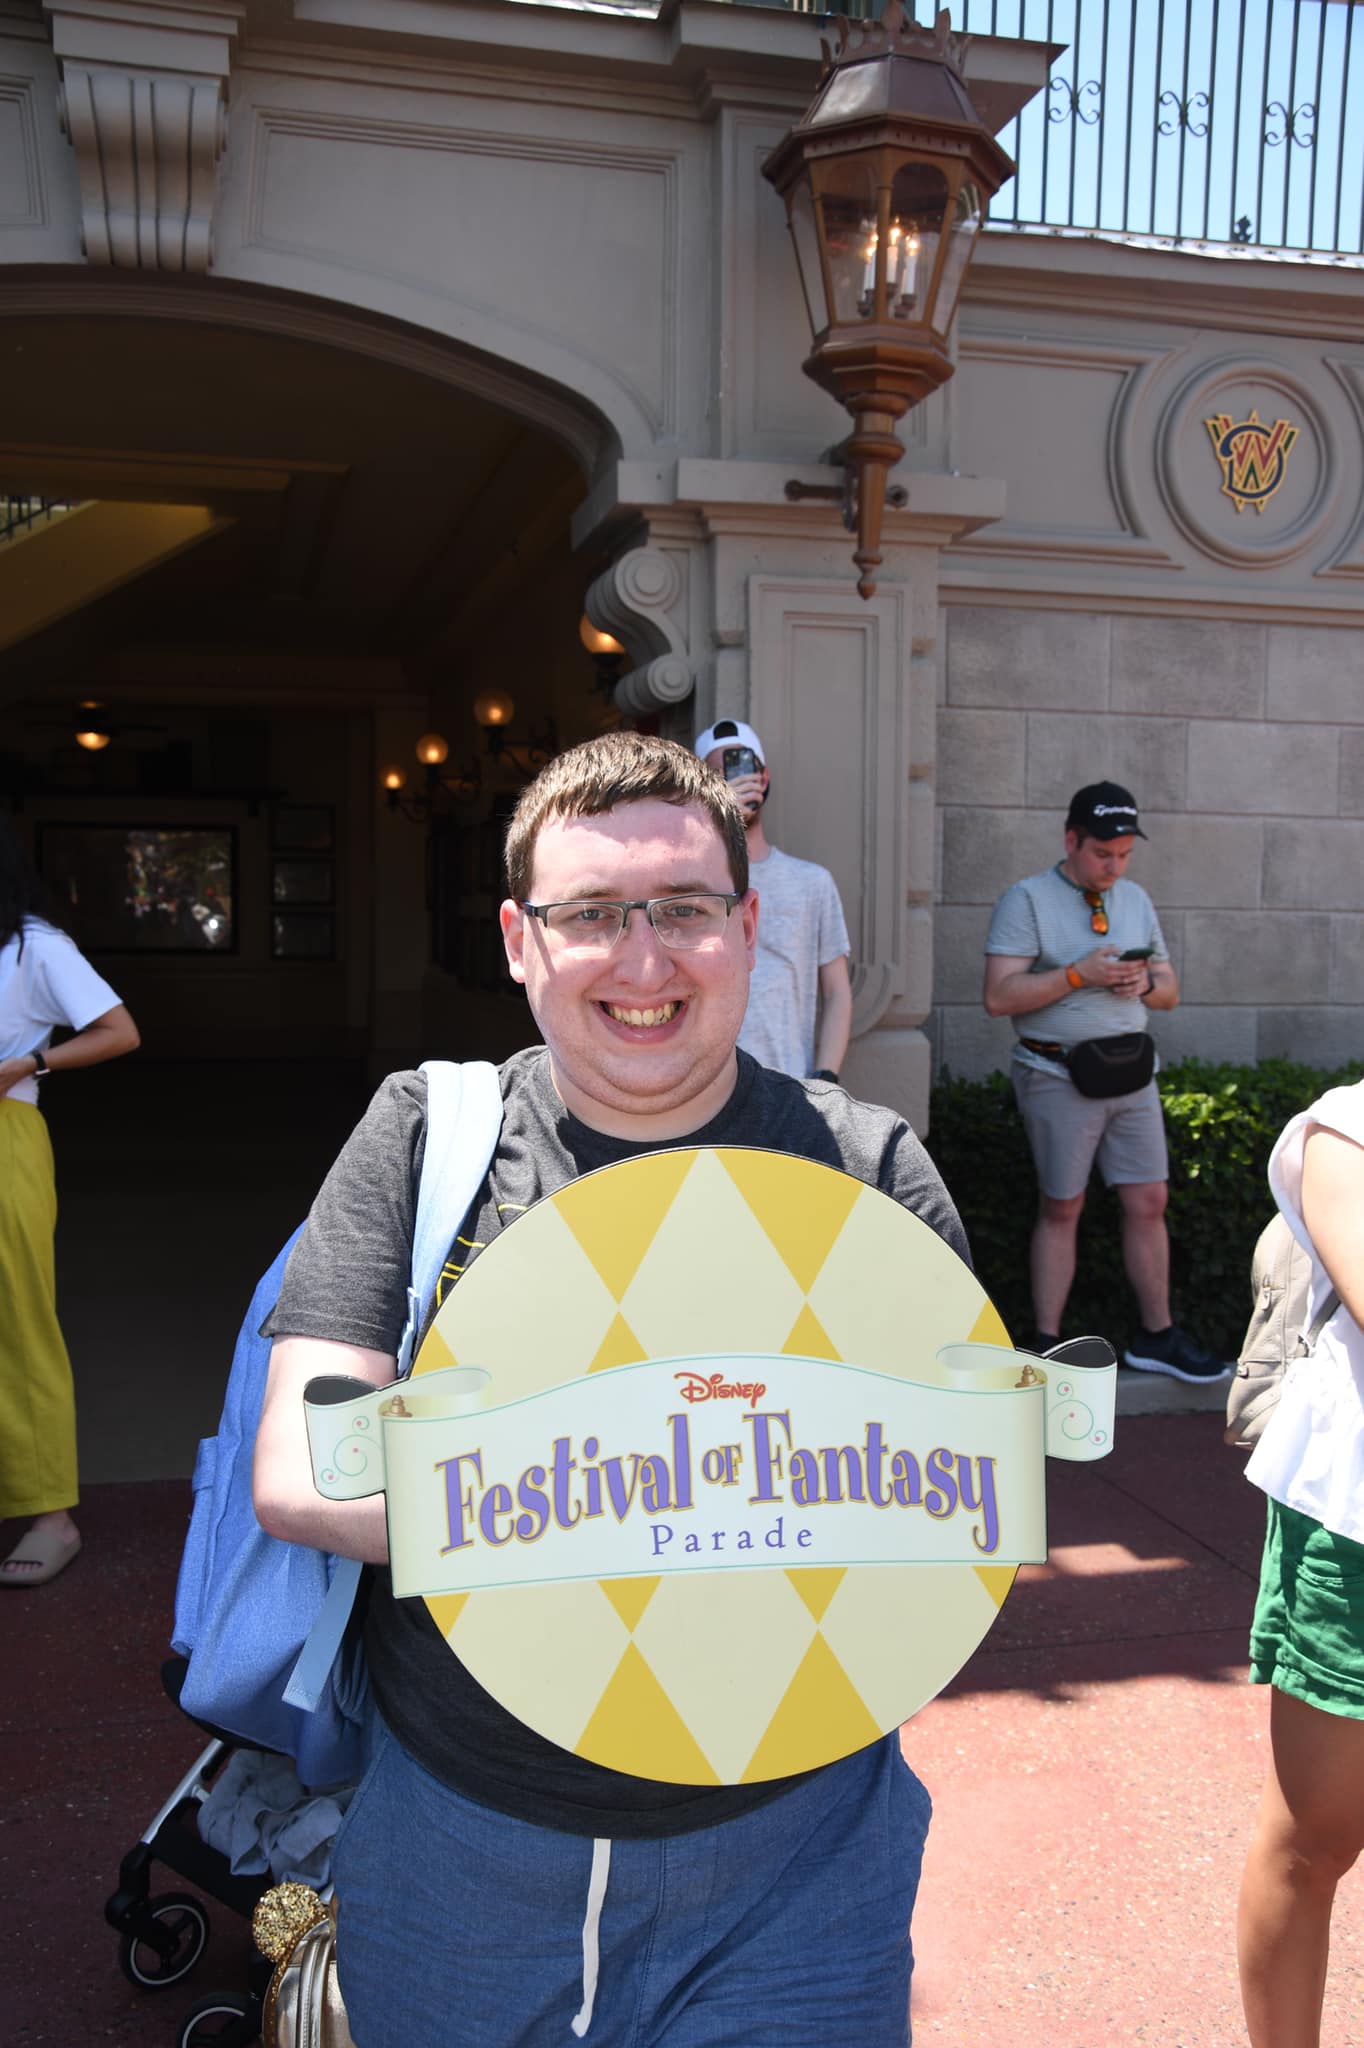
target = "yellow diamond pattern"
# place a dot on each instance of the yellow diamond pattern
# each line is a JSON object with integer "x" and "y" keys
{"x": 638, "y": 1726}
{"x": 821, "y": 1715}
{"x": 735, "y": 1675}
{"x": 630, "y": 1597}
{"x": 616, "y": 1220}
{"x": 988, "y": 1327}
{"x": 445, "y": 1610}
{"x": 755, "y": 1630}
{"x": 817, "y": 1588}
{"x": 800, "y": 1205}
{"x": 808, "y": 1338}
{"x": 713, "y": 1280}
{"x": 996, "y": 1579}
{"x": 620, "y": 1346}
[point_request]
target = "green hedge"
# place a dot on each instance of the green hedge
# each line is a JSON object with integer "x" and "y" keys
{"x": 1221, "y": 1122}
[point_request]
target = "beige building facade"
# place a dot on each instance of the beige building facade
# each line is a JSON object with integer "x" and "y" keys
{"x": 377, "y": 341}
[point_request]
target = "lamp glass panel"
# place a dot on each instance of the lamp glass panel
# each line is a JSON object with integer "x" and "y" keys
{"x": 918, "y": 204}
{"x": 847, "y": 207}
{"x": 805, "y": 235}
{"x": 852, "y": 89}
{"x": 967, "y": 216}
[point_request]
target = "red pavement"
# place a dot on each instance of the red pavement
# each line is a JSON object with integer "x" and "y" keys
{"x": 1093, "y": 1771}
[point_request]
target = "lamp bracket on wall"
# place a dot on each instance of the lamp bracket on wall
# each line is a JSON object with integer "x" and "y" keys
{"x": 843, "y": 495}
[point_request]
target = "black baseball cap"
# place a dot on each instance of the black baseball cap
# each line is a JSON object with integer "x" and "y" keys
{"x": 1104, "y": 810}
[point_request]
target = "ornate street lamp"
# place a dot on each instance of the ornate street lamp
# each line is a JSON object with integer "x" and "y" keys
{"x": 886, "y": 178}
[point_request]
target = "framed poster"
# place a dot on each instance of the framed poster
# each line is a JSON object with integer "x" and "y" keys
{"x": 144, "y": 888}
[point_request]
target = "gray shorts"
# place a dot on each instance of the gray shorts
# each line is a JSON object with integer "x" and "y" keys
{"x": 1068, "y": 1131}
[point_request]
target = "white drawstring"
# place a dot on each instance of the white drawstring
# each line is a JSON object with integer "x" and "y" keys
{"x": 596, "y": 1893}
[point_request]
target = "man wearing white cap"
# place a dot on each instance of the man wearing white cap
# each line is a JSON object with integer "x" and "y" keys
{"x": 800, "y": 996}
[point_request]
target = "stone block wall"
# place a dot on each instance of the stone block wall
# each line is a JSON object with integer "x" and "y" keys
{"x": 1244, "y": 745}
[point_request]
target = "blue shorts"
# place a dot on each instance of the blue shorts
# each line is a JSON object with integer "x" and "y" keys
{"x": 785, "y": 1928}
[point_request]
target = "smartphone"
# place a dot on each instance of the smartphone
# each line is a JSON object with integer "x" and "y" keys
{"x": 739, "y": 761}
{"x": 1137, "y": 953}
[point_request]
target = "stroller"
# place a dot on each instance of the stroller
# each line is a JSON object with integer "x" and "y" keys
{"x": 163, "y": 1934}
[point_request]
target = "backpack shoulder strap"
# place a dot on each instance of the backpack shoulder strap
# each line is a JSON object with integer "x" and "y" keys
{"x": 463, "y": 1119}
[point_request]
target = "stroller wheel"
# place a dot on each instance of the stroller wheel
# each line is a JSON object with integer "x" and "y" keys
{"x": 221, "y": 2020}
{"x": 165, "y": 1941}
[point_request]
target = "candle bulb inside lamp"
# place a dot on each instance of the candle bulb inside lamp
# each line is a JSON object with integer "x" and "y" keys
{"x": 909, "y": 252}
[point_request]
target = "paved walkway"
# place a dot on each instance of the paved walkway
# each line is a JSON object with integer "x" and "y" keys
{"x": 1092, "y": 1770}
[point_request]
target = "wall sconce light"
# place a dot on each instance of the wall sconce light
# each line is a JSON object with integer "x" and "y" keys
{"x": 608, "y": 656}
{"x": 494, "y": 710}
{"x": 886, "y": 178}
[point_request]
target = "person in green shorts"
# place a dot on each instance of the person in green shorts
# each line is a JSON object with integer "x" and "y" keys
{"x": 1307, "y": 1638}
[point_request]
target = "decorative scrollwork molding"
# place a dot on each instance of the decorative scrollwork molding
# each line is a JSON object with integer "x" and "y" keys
{"x": 667, "y": 679}
{"x": 639, "y": 599}
{"x": 143, "y": 100}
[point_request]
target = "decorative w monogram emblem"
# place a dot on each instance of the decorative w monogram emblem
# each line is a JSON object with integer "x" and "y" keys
{"x": 1254, "y": 457}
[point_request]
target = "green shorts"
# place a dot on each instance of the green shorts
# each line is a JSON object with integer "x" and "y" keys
{"x": 1307, "y": 1637}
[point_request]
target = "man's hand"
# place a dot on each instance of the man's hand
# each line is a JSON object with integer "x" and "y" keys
{"x": 1104, "y": 968}
{"x": 748, "y": 793}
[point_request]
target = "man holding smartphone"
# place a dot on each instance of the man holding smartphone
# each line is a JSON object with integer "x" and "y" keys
{"x": 1076, "y": 957}
{"x": 800, "y": 995}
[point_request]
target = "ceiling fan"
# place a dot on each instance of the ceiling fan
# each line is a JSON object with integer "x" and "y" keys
{"x": 91, "y": 725}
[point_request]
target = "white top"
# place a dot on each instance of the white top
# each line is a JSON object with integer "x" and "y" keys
{"x": 1311, "y": 1456}
{"x": 50, "y": 982}
{"x": 800, "y": 930}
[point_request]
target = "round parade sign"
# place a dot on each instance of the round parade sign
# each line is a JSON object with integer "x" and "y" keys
{"x": 715, "y": 1466}
{"x": 732, "y": 1673}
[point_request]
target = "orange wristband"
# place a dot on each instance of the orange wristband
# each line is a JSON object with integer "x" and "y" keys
{"x": 1075, "y": 980}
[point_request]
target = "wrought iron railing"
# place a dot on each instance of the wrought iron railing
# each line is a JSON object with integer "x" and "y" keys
{"x": 1185, "y": 121}
{"x": 22, "y": 515}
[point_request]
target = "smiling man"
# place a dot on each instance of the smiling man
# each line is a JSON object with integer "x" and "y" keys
{"x": 494, "y": 1888}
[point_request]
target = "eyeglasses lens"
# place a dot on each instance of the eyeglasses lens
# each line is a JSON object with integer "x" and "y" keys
{"x": 1098, "y": 916}
{"x": 683, "y": 923}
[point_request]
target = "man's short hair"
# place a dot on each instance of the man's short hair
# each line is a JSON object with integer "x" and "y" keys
{"x": 620, "y": 768}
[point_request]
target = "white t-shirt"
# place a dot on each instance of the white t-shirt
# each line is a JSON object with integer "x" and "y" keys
{"x": 1311, "y": 1456}
{"x": 800, "y": 930}
{"x": 48, "y": 983}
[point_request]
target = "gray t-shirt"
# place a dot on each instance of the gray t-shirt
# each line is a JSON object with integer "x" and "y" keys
{"x": 347, "y": 1280}
{"x": 800, "y": 930}
{"x": 1045, "y": 919}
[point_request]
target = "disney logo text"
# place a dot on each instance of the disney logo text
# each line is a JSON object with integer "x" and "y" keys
{"x": 718, "y": 1388}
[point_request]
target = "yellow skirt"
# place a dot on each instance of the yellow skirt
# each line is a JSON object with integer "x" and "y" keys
{"x": 37, "y": 1399}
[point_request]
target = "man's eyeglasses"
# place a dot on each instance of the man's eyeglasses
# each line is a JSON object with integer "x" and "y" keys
{"x": 683, "y": 923}
{"x": 1098, "y": 916}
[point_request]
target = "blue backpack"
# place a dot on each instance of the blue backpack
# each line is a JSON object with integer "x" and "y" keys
{"x": 263, "y": 1622}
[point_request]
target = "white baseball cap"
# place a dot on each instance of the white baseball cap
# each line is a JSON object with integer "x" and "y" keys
{"x": 728, "y": 732}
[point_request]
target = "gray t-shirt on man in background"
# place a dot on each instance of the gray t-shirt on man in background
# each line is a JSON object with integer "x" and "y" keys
{"x": 800, "y": 929}
{"x": 346, "y": 1280}
{"x": 1046, "y": 919}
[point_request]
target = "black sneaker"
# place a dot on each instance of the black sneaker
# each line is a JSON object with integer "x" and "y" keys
{"x": 1038, "y": 1344}
{"x": 1174, "y": 1352}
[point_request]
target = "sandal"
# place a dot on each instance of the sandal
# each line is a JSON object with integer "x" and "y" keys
{"x": 45, "y": 1551}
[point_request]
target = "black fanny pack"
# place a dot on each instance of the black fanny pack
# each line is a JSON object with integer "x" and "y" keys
{"x": 1101, "y": 1067}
